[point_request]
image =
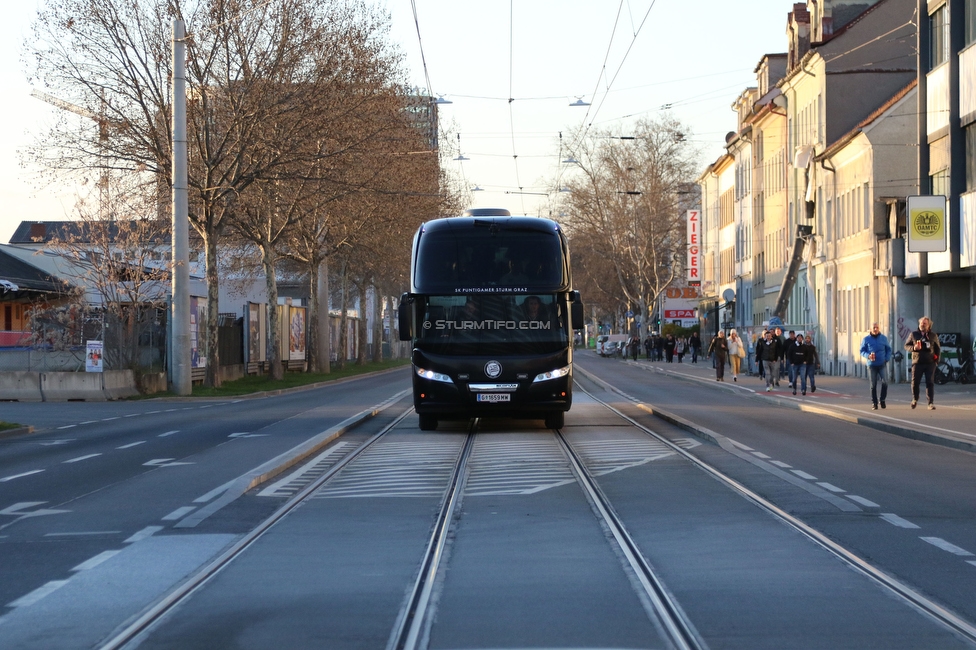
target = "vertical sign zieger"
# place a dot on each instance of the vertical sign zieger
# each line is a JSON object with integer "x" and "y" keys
{"x": 694, "y": 267}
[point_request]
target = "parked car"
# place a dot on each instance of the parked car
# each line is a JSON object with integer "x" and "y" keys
{"x": 608, "y": 345}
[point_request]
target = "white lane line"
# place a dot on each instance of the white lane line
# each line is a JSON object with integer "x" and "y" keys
{"x": 132, "y": 415}
{"x": 179, "y": 512}
{"x": 148, "y": 531}
{"x": 84, "y": 534}
{"x": 151, "y": 412}
{"x": 216, "y": 492}
{"x": 862, "y": 501}
{"x": 973, "y": 562}
{"x": 168, "y": 433}
{"x": 68, "y": 426}
{"x": 10, "y": 478}
{"x": 207, "y": 406}
{"x": 760, "y": 455}
{"x": 938, "y": 542}
{"x": 38, "y": 593}
{"x": 740, "y": 445}
{"x": 170, "y": 410}
{"x": 895, "y": 520}
{"x": 80, "y": 458}
{"x": 832, "y": 488}
{"x": 88, "y": 422}
{"x": 779, "y": 463}
{"x": 132, "y": 444}
{"x": 808, "y": 477}
{"x": 107, "y": 419}
{"x": 93, "y": 562}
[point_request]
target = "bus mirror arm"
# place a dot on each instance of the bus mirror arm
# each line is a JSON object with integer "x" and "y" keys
{"x": 405, "y": 318}
{"x": 576, "y": 310}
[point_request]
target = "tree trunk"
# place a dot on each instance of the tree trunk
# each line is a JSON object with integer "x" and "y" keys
{"x": 274, "y": 322}
{"x": 323, "y": 326}
{"x": 362, "y": 326}
{"x": 213, "y": 352}
{"x": 377, "y": 325}
{"x": 343, "y": 320}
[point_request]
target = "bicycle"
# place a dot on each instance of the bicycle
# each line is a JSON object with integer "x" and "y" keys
{"x": 944, "y": 372}
{"x": 964, "y": 373}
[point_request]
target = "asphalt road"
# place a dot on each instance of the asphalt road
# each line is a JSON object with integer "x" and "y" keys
{"x": 90, "y": 540}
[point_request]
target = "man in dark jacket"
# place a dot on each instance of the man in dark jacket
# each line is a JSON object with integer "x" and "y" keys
{"x": 796, "y": 354}
{"x": 925, "y": 348}
{"x": 769, "y": 354}
{"x": 877, "y": 353}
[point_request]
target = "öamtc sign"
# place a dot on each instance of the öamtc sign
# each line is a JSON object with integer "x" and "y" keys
{"x": 927, "y": 224}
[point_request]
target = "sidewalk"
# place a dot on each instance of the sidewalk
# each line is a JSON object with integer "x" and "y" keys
{"x": 952, "y": 424}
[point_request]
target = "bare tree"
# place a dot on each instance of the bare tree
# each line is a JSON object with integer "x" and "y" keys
{"x": 263, "y": 82}
{"x": 626, "y": 210}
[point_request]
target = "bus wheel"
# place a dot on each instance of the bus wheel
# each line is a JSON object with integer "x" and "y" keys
{"x": 428, "y": 422}
{"x": 556, "y": 420}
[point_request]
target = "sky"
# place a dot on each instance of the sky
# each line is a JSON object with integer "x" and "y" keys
{"x": 511, "y": 69}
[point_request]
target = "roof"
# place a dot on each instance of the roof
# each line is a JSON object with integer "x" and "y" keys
{"x": 880, "y": 111}
{"x": 28, "y": 277}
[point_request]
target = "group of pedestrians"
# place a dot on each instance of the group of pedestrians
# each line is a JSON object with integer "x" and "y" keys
{"x": 795, "y": 356}
{"x": 666, "y": 348}
{"x": 924, "y": 345}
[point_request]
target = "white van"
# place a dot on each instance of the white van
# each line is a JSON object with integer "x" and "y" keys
{"x": 607, "y": 344}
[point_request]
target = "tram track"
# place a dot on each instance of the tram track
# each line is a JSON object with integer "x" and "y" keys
{"x": 891, "y": 584}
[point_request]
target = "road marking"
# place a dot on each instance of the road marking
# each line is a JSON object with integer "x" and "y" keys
{"x": 148, "y": 531}
{"x": 291, "y": 483}
{"x": 17, "y": 510}
{"x": 151, "y": 412}
{"x": 759, "y": 454}
{"x": 740, "y": 445}
{"x": 132, "y": 415}
{"x": 779, "y": 463}
{"x": 132, "y": 444}
{"x": 216, "y": 492}
{"x": 38, "y": 593}
{"x": 93, "y": 562}
{"x": 84, "y": 534}
{"x": 938, "y": 542}
{"x": 832, "y": 488}
{"x": 168, "y": 433}
{"x": 10, "y": 478}
{"x": 68, "y": 426}
{"x": 179, "y": 512}
{"x": 863, "y": 501}
{"x": 52, "y": 443}
{"x": 804, "y": 475}
{"x": 88, "y": 422}
{"x": 80, "y": 458}
{"x": 973, "y": 562}
{"x": 107, "y": 419}
{"x": 895, "y": 520}
{"x": 245, "y": 434}
{"x": 164, "y": 462}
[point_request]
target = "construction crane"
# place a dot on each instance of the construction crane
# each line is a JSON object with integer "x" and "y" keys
{"x": 103, "y": 124}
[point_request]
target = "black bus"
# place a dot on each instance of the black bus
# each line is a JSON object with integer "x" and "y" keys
{"x": 491, "y": 313}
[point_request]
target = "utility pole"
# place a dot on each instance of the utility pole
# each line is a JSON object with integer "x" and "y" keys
{"x": 180, "y": 370}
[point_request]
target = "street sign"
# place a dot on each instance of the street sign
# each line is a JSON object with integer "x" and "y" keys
{"x": 927, "y": 224}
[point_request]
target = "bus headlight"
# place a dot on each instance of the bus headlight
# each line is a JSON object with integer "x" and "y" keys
{"x": 552, "y": 374}
{"x": 434, "y": 376}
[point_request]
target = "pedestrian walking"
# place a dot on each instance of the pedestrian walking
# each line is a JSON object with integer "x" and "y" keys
{"x": 694, "y": 342}
{"x": 761, "y": 368}
{"x": 659, "y": 347}
{"x": 737, "y": 352}
{"x": 669, "y": 348}
{"x": 811, "y": 363}
{"x": 796, "y": 354}
{"x": 681, "y": 348}
{"x": 769, "y": 354}
{"x": 648, "y": 346}
{"x": 781, "y": 343}
{"x": 877, "y": 352}
{"x": 720, "y": 348}
{"x": 635, "y": 345}
{"x": 925, "y": 348}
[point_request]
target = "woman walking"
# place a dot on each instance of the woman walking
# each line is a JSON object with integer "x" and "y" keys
{"x": 737, "y": 352}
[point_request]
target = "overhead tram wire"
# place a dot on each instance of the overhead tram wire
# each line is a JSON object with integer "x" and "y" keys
{"x": 586, "y": 125}
{"x": 511, "y": 82}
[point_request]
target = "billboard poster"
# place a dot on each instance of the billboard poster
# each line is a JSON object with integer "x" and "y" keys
{"x": 198, "y": 332}
{"x": 93, "y": 356}
{"x": 296, "y": 334}
{"x": 927, "y": 224}
{"x": 255, "y": 337}
{"x": 694, "y": 248}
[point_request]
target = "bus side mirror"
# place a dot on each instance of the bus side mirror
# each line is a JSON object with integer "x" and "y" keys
{"x": 576, "y": 310}
{"x": 405, "y": 318}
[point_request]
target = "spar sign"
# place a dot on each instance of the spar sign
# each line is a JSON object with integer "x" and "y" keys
{"x": 694, "y": 247}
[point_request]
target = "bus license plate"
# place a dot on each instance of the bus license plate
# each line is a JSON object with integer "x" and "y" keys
{"x": 494, "y": 397}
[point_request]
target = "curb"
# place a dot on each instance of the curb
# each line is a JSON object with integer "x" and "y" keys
{"x": 19, "y": 431}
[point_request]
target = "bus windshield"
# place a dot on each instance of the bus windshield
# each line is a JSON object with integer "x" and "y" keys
{"x": 492, "y": 324}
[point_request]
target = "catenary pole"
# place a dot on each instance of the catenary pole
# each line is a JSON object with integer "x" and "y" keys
{"x": 182, "y": 383}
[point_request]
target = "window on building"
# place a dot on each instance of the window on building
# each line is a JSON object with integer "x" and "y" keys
{"x": 971, "y": 145}
{"x": 939, "y": 182}
{"x": 939, "y": 37}
{"x": 970, "y": 21}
